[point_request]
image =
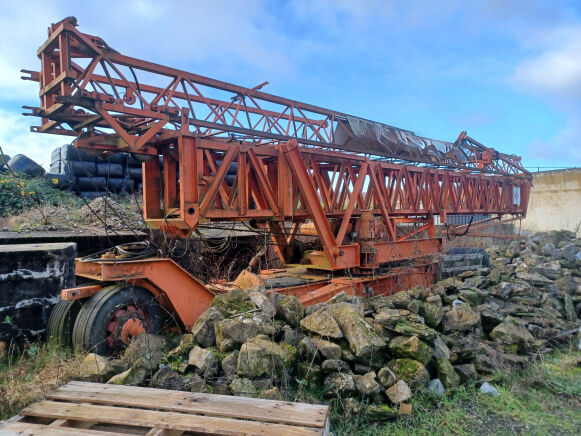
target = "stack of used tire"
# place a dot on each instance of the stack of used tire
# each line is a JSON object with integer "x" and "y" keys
{"x": 84, "y": 172}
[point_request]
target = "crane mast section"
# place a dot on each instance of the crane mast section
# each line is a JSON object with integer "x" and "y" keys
{"x": 238, "y": 154}
{"x": 89, "y": 88}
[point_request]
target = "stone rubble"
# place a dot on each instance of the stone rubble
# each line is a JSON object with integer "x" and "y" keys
{"x": 382, "y": 349}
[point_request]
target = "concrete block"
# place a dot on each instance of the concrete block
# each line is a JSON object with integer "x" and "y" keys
{"x": 31, "y": 278}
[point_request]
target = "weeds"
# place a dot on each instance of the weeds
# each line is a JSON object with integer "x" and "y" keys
{"x": 27, "y": 376}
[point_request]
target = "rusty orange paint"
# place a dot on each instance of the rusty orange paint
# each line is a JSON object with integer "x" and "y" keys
{"x": 80, "y": 292}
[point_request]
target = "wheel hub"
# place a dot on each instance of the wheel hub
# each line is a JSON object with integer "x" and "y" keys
{"x": 126, "y": 323}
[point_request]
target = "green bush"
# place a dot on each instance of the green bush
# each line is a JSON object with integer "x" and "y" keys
{"x": 18, "y": 193}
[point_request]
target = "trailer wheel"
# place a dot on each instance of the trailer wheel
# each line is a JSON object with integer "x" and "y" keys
{"x": 59, "y": 330}
{"x": 113, "y": 316}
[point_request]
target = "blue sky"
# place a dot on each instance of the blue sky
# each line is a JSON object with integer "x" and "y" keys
{"x": 508, "y": 72}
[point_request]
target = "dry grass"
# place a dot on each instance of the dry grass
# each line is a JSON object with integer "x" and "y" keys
{"x": 28, "y": 377}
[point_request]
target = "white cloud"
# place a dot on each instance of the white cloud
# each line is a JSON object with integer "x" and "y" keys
{"x": 556, "y": 69}
{"x": 17, "y": 139}
{"x": 553, "y": 73}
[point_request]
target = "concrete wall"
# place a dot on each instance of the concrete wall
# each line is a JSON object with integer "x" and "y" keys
{"x": 31, "y": 278}
{"x": 555, "y": 202}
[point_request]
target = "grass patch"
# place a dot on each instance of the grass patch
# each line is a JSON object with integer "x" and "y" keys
{"x": 30, "y": 375}
{"x": 19, "y": 193}
{"x": 545, "y": 398}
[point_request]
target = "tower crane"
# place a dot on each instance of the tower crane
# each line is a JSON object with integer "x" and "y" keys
{"x": 371, "y": 192}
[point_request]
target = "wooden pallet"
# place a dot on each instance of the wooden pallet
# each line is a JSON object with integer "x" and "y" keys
{"x": 103, "y": 409}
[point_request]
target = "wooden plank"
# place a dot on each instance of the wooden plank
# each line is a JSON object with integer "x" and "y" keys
{"x": 157, "y": 419}
{"x": 163, "y": 432}
{"x": 26, "y": 429}
{"x": 307, "y": 415}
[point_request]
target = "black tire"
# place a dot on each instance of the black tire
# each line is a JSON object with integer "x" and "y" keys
{"x": 135, "y": 173}
{"x": 116, "y": 158}
{"x": 25, "y": 165}
{"x": 55, "y": 156}
{"x": 78, "y": 169}
{"x": 59, "y": 330}
{"x": 91, "y": 195}
{"x": 59, "y": 181}
{"x": 55, "y": 167}
{"x": 109, "y": 170}
{"x": 117, "y": 184}
{"x": 91, "y": 183}
{"x": 70, "y": 153}
{"x": 90, "y": 332}
{"x": 4, "y": 159}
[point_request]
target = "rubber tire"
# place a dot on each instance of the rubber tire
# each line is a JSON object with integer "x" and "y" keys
{"x": 89, "y": 332}
{"x": 109, "y": 170}
{"x": 61, "y": 321}
{"x": 78, "y": 169}
{"x": 23, "y": 164}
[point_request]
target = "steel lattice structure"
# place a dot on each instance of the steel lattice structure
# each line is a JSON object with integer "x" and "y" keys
{"x": 356, "y": 180}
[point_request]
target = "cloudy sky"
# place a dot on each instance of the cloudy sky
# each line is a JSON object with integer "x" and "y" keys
{"x": 507, "y": 71}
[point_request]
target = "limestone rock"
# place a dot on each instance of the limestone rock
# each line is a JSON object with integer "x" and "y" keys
{"x": 551, "y": 270}
{"x": 412, "y": 347}
{"x": 380, "y": 412}
{"x": 460, "y": 319}
{"x": 405, "y": 323}
{"x": 203, "y": 329}
{"x": 334, "y": 365}
{"x": 146, "y": 351}
{"x": 411, "y": 371}
{"x": 205, "y": 361}
{"x": 310, "y": 372}
{"x": 534, "y": 278}
{"x": 132, "y": 377}
{"x": 290, "y": 309}
{"x": 328, "y": 350}
{"x": 432, "y": 314}
{"x": 511, "y": 332}
{"x": 271, "y": 394}
{"x": 232, "y": 333}
{"x": 367, "y": 384}
{"x": 361, "y": 336}
{"x": 467, "y": 372}
{"x": 487, "y": 389}
{"x": 435, "y": 300}
{"x": 339, "y": 385}
{"x": 167, "y": 378}
{"x": 570, "y": 311}
{"x": 291, "y": 336}
{"x": 230, "y": 364}
{"x": 307, "y": 350}
{"x": 322, "y": 323}
{"x": 399, "y": 392}
{"x": 441, "y": 350}
{"x": 94, "y": 367}
{"x": 234, "y": 302}
{"x": 243, "y": 387}
{"x": 260, "y": 357}
{"x": 386, "y": 377}
{"x": 195, "y": 383}
{"x": 489, "y": 316}
{"x": 446, "y": 373}
{"x": 436, "y": 387}
{"x": 263, "y": 302}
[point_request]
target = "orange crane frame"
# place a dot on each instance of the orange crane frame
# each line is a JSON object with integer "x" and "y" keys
{"x": 296, "y": 163}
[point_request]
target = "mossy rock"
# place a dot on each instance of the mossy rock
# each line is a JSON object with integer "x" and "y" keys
{"x": 411, "y": 347}
{"x": 234, "y": 302}
{"x": 411, "y": 371}
{"x": 290, "y": 309}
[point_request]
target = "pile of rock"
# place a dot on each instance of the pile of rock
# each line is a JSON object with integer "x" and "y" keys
{"x": 381, "y": 349}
